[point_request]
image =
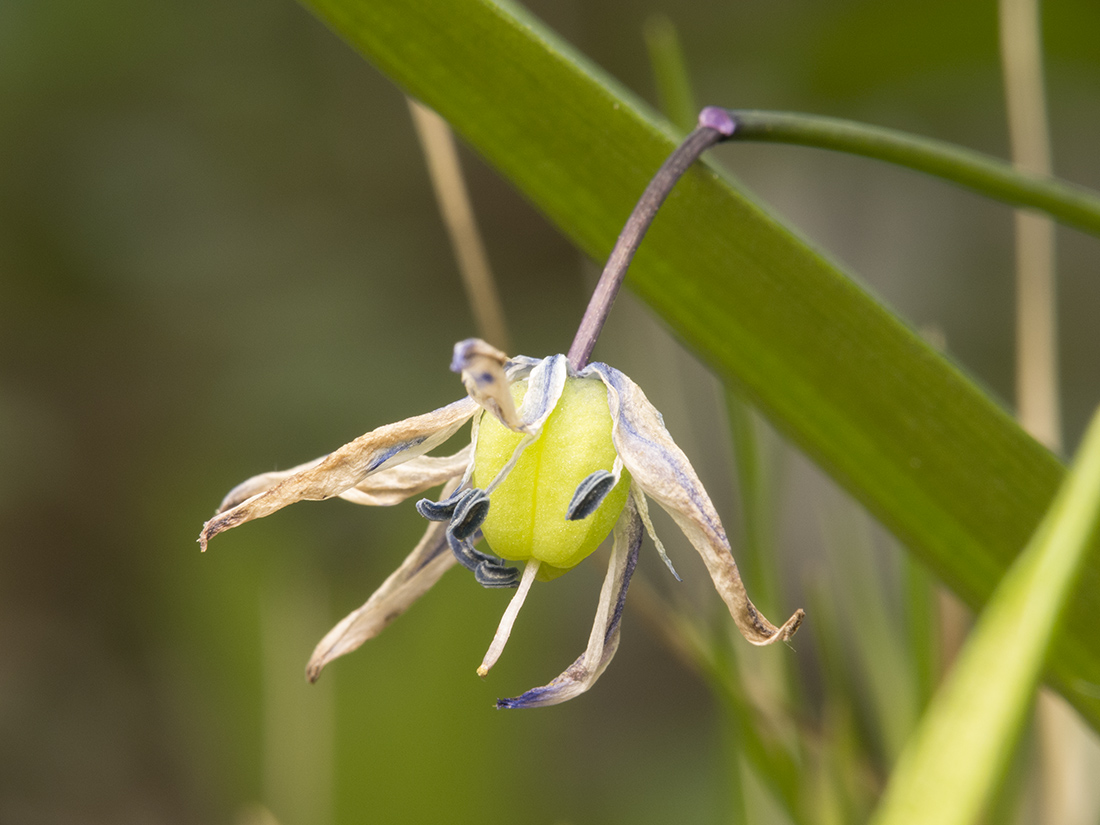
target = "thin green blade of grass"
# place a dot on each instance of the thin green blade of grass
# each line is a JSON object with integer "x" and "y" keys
{"x": 775, "y": 675}
{"x": 670, "y": 72}
{"x": 965, "y": 741}
{"x": 922, "y": 626}
{"x": 844, "y": 756}
{"x": 904, "y": 430}
{"x": 874, "y": 634}
{"x": 765, "y": 749}
{"x": 755, "y": 554}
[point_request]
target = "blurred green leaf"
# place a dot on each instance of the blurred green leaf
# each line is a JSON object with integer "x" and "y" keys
{"x": 902, "y": 428}
{"x": 922, "y": 624}
{"x": 964, "y": 743}
{"x": 763, "y": 738}
{"x": 878, "y": 644}
{"x": 670, "y": 72}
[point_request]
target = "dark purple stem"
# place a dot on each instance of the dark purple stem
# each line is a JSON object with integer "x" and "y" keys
{"x": 715, "y": 125}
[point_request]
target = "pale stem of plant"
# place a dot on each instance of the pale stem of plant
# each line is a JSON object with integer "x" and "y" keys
{"x": 1036, "y": 318}
{"x": 438, "y": 144}
{"x": 1066, "y": 760}
{"x": 298, "y": 769}
{"x": 710, "y": 131}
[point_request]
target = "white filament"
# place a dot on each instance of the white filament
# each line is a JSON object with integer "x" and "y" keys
{"x": 504, "y": 630}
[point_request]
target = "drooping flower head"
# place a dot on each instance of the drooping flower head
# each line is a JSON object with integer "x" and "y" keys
{"x": 561, "y": 453}
{"x": 558, "y": 459}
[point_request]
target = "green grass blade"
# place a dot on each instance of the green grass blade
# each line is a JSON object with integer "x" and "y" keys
{"x": 922, "y": 628}
{"x": 764, "y": 746}
{"x": 775, "y": 680}
{"x": 965, "y": 741}
{"x": 756, "y": 552}
{"x": 938, "y": 462}
{"x": 670, "y": 73}
{"x": 876, "y": 640}
{"x": 994, "y": 178}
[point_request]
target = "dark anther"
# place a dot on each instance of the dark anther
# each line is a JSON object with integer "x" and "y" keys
{"x": 441, "y": 510}
{"x": 470, "y": 514}
{"x": 495, "y": 574}
{"x": 589, "y": 495}
{"x": 488, "y": 570}
{"x": 464, "y": 551}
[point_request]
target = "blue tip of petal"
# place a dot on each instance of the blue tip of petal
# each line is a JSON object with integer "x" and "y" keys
{"x": 538, "y": 697}
{"x": 507, "y": 704}
{"x": 461, "y": 355}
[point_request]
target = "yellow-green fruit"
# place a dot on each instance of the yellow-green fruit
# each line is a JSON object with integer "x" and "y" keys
{"x": 527, "y": 511}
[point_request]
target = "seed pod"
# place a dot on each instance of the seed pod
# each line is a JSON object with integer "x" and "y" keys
{"x": 528, "y": 515}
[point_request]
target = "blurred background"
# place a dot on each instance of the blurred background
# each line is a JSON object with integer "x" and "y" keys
{"x": 220, "y": 254}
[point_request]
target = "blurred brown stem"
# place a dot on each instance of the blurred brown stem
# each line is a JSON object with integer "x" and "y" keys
{"x": 438, "y": 144}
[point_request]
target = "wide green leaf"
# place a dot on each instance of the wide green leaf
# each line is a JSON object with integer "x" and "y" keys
{"x": 896, "y": 423}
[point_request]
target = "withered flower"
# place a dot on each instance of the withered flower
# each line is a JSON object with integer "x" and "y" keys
{"x": 558, "y": 457}
{"x": 562, "y": 452}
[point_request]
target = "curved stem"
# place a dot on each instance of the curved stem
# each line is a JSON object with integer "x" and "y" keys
{"x": 705, "y": 136}
{"x": 1068, "y": 203}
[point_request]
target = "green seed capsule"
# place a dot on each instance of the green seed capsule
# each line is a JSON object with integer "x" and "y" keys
{"x": 527, "y": 511}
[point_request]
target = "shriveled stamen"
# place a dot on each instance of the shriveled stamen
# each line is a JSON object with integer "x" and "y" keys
{"x": 495, "y": 574}
{"x": 489, "y": 571}
{"x": 643, "y": 512}
{"x": 504, "y": 629}
{"x": 591, "y": 492}
{"x": 441, "y": 510}
{"x": 468, "y": 556}
{"x": 470, "y": 514}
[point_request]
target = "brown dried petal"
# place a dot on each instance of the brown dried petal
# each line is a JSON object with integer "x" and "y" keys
{"x": 482, "y": 368}
{"x": 398, "y": 483}
{"x": 350, "y": 465}
{"x": 382, "y": 489}
{"x": 431, "y": 558}
{"x": 663, "y": 472}
{"x": 604, "y": 638}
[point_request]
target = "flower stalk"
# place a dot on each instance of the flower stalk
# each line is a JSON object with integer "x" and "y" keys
{"x": 714, "y": 126}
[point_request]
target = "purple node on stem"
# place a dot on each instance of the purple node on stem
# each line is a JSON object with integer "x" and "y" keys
{"x": 717, "y": 119}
